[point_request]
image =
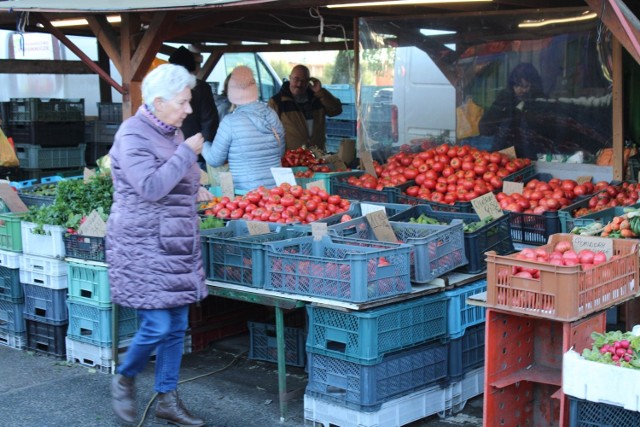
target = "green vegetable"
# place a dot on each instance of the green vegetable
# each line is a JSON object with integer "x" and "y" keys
{"x": 210, "y": 221}
{"x": 424, "y": 219}
{"x": 476, "y": 225}
{"x": 606, "y": 349}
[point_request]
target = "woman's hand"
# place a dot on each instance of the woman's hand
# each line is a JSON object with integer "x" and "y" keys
{"x": 203, "y": 195}
{"x": 195, "y": 142}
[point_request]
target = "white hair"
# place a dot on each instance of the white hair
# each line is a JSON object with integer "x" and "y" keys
{"x": 166, "y": 82}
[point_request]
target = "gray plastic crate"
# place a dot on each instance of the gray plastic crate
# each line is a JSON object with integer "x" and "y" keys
{"x": 38, "y": 157}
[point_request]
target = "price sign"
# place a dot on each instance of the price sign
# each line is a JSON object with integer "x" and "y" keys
{"x": 381, "y": 228}
{"x": 93, "y": 226}
{"x": 258, "y": 227}
{"x": 487, "y": 206}
{"x": 318, "y": 230}
{"x": 88, "y": 174}
{"x": 282, "y": 175}
{"x": 367, "y": 162}
{"x": 583, "y": 179}
{"x": 319, "y": 184}
{"x": 336, "y": 162}
{"x": 595, "y": 244}
{"x": 510, "y": 187}
{"x": 367, "y": 208}
{"x": 10, "y": 198}
{"x": 510, "y": 152}
{"x": 226, "y": 184}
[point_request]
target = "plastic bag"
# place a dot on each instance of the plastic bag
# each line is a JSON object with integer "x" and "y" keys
{"x": 8, "y": 156}
{"x": 467, "y": 119}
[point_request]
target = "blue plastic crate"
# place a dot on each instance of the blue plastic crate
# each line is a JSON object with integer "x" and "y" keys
{"x": 231, "y": 254}
{"x": 44, "y": 304}
{"x": 366, "y": 388}
{"x": 349, "y": 112}
{"x": 466, "y": 353}
{"x": 583, "y": 413}
{"x": 88, "y": 284}
{"x": 11, "y": 317}
{"x": 263, "y": 343}
{"x": 495, "y": 236}
{"x": 461, "y": 315}
{"x": 366, "y": 336}
{"x": 343, "y": 128}
{"x": 344, "y": 92}
{"x": 342, "y": 188}
{"x": 10, "y": 286}
{"x": 92, "y": 324}
{"x": 436, "y": 249}
{"x": 342, "y": 269}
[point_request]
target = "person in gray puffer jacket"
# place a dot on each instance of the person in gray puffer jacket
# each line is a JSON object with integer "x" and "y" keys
{"x": 153, "y": 238}
{"x": 251, "y": 138}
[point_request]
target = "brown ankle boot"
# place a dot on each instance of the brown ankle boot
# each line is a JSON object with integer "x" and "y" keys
{"x": 123, "y": 398}
{"x": 171, "y": 410}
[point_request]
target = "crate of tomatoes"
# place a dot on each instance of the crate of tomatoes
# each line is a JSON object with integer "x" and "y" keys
{"x": 359, "y": 185}
{"x": 321, "y": 172}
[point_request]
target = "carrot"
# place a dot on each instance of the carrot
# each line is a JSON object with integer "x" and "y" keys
{"x": 607, "y": 229}
{"x": 615, "y": 227}
{"x": 616, "y": 220}
{"x": 627, "y": 233}
{"x": 624, "y": 225}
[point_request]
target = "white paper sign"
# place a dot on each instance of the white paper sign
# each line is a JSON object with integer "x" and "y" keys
{"x": 226, "y": 184}
{"x": 318, "y": 229}
{"x": 282, "y": 175}
{"x": 367, "y": 208}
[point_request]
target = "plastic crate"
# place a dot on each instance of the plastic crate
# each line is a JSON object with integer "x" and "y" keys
{"x": 583, "y": 413}
{"x": 207, "y": 311}
{"x": 38, "y": 195}
{"x": 349, "y": 112}
{"x": 48, "y": 135}
{"x": 93, "y": 356}
{"x": 461, "y": 315}
{"x": 92, "y": 324}
{"x": 46, "y": 338}
{"x": 342, "y": 128}
{"x": 603, "y": 216}
{"x": 84, "y": 247}
{"x": 89, "y": 284}
{"x": 466, "y": 353}
{"x": 45, "y": 304}
{"x": 225, "y": 325}
{"x": 110, "y": 111}
{"x": 95, "y": 150}
{"x": 563, "y": 292}
{"x": 366, "y": 336}
{"x": 495, "y": 236}
{"x": 43, "y": 271}
{"x": 325, "y": 177}
{"x": 103, "y": 132}
{"x": 263, "y": 344}
{"x": 50, "y": 244}
{"x": 332, "y": 143}
{"x": 366, "y": 388}
{"x": 342, "y": 188}
{"x": 344, "y": 92}
{"x": 533, "y": 229}
{"x": 10, "y": 286}
{"x": 11, "y": 317}
{"x": 46, "y": 110}
{"x": 435, "y": 249}
{"x": 588, "y": 380}
{"x": 16, "y": 340}
{"x": 11, "y": 231}
{"x": 39, "y": 157}
{"x": 231, "y": 254}
{"x": 341, "y": 269}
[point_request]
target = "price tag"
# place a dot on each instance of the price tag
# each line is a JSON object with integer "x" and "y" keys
{"x": 258, "y": 227}
{"x": 595, "y": 244}
{"x": 318, "y": 230}
{"x": 336, "y": 162}
{"x": 510, "y": 187}
{"x": 381, "y": 228}
{"x": 282, "y": 175}
{"x": 319, "y": 184}
{"x": 583, "y": 179}
{"x": 10, "y": 198}
{"x": 367, "y": 208}
{"x": 88, "y": 174}
{"x": 487, "y": 206}
{"x": 93, "y": 226}
{"x": 367, "y": 162}
{"x": 226, "y": 184}
{"x": 510, "y": 152}
{"x": 204, "y": 178}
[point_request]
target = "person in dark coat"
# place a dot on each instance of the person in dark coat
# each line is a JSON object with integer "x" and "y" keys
{"x": 204, "y": 118}
{"x": 153, "y": 238}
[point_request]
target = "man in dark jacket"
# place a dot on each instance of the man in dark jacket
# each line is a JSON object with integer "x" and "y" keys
{"x": 204, "y": 118}
{"x": 302, "y": 105}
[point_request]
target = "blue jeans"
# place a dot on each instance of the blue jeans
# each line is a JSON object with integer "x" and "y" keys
{"x": 161, "y": 330}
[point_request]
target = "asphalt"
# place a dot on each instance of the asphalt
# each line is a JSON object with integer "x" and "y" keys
{"x": 218, "y": 383}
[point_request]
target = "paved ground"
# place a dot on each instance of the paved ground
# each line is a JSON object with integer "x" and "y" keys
{"x": 229, "y": 390}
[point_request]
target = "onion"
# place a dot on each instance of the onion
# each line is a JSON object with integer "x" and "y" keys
{"x": 563, "y": 246}
{"x": 599, "y": 258}
{"x": 586, "y": 256}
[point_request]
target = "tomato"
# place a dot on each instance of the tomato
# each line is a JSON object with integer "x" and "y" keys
{"x": 287, "y": 200}
{"x": 334, "y": 200}
{"x": 236, "y": 214}
{"x": 496, "y": 182}
{"x": 412, "y": 191}
{"x": 495, "y": 157}
{"x": 311, "y": 205}
{"x": 223, "y": 213}
{"x": 410, "y": 173}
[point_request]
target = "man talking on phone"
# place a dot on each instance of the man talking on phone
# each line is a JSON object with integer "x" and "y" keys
{"x": 302, "y": 105}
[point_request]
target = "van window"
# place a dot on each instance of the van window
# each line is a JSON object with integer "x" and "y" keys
{"x": 267, "y": 79}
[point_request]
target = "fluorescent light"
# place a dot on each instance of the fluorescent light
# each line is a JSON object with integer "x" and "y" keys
{"x": 542, "y": 22}
{"x": 81, "y": 22}
{"x": 431, "y": 32}
{"x": 401, "y": 3}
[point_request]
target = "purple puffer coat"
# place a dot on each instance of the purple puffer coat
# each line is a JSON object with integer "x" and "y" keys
{"x": 153, "y": 236}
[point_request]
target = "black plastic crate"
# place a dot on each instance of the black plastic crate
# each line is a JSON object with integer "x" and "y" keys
{"x": 4, "y": 114}
{"x": 84, "y": 247}
{"x": 342, "y": 188}
{"x": 46, "y": 338}
{"x": 263, "y": 343}
{"x": 467, "y": 352}
{"x": 24, "y": 110}
{"x": 101, "y": 131}
{"x": 95, "y": 150}
{"x": 532, "y": 229}
{"x": 583, "y": 413}
{"x": 48, "y": 134}
{"x": 39, "y": 194}
{"x": 110, "y": 111}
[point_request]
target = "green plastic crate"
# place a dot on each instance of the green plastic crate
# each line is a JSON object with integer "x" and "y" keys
{"x": 11, "y": 231}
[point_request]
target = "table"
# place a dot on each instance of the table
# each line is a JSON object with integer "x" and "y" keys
{"x": 287, "y": 301}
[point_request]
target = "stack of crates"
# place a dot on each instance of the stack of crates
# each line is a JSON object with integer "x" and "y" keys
{"x": 12, "y": 323}
{"x": 43, "y": 273}
{"x": 48, "y": 134}
{"x": 344, "y": 125}
{"x": 99, "y": 133}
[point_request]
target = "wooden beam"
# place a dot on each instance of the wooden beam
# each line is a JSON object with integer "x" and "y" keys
{"x": 617, "y": 143}
{"x": 42, "y": 66}
{"x": 625, "y": 30}
{"x": 107, "y": 38}
{"x": 150, "y": 44}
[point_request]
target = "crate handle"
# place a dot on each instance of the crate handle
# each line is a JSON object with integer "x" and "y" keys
{"x": 233, "y": 259}
{"x": 86, "y": 293}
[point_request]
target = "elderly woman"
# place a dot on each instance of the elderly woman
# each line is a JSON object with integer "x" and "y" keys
{"x": 153, "y": 240}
